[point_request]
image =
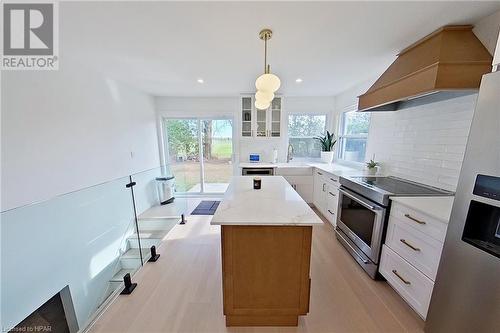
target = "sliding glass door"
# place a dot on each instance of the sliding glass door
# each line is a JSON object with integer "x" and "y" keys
{"x": 200, "y": 153}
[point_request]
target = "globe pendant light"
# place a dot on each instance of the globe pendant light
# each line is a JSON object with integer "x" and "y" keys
{"x": 262, "y": 105}
{"x": 264, "y": 96}
{"x": 267, "y": 83}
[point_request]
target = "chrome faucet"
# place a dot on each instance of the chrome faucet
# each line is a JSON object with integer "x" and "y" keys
{"x": 289, "y": 155}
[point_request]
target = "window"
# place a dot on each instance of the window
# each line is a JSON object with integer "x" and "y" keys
{"x": 302, "y": 128}
{"x": 353, "y": 135}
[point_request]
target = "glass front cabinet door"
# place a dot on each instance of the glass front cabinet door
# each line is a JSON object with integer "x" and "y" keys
{"x": 260, "y": 123}
{"x": 246, "y": 116}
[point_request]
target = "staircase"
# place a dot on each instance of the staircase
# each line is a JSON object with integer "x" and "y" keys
{"x": 152, "y": 231}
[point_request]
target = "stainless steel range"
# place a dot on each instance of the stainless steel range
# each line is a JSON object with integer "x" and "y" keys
{"x": 363, "y": 212}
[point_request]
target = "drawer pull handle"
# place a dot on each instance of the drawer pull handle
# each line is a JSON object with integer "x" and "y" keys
{"x": 319, "y": 173}
{"x": 414, "y": 219}
{"x": 331, "y": 194}
{"x": 329, "y": 211}
{"x": 333, "y": 180}
{"x": 400, "y": 277}
{"x": 409, "y": 245}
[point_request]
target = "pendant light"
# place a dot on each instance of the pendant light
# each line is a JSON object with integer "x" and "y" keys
{"x": 267, "y": 84}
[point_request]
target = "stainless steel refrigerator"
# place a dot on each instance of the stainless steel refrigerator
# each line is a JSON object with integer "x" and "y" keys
{"x": 466, "y": 296}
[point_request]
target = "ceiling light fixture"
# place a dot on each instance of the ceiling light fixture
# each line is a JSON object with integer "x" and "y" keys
{"x": 200, "y": 81}
{"x": 299, "y": 80}
{"x": 267, "y": 84}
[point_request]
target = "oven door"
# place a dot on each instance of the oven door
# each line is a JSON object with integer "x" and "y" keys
{"x": 362, "y": 221}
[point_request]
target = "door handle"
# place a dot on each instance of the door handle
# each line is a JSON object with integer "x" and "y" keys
{"x": 414, "y": 219}
{"x": 331, "y": 194}
{"x": 395, "y": 272}
{"x": 333, "y": 180}
{"x": 409, "y": 245}
{"x": 323, "y": 187}
{"x": 329, "y": 211}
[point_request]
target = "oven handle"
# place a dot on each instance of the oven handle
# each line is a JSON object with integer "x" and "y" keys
{"x": 357, "y": 254}
{"x": 360, "y": 200}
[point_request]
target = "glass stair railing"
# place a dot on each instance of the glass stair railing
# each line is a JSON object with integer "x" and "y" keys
{"x": 83, "y": 242}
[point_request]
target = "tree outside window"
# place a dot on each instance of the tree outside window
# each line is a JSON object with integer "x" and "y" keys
{"x": 353, "y": 136}
{"x": 302, "y": 128}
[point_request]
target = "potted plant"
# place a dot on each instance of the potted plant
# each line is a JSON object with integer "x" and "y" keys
{"x": 372, "y": 166}
{"x": 327, "y": 142}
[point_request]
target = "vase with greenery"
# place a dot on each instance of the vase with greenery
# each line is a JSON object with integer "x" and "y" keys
{"x": 327, "y": 144}
{"x": 372, "y": 166}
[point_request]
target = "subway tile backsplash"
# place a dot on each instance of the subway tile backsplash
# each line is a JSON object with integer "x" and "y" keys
{"x": 424, "y": 143}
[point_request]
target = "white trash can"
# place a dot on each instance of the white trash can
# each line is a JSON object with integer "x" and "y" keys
{"x": 166, "y": 189}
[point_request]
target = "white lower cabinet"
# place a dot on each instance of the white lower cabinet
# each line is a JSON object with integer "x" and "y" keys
{"x": 303, "y": 185}
{"x": 325, "y": 195}
{"x": 408, "y": 281}
{"x": 411, "y": 254}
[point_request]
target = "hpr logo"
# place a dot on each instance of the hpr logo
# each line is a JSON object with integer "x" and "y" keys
{"x": 29, "y": 36}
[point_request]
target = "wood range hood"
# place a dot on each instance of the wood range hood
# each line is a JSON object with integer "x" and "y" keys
{"x": 445, "y": 64}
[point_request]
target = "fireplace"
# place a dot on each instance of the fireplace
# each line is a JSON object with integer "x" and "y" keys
{"x": 55, "y": 316}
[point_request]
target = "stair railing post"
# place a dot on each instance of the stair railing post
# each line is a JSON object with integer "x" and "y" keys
{"x": 131, "y": 186}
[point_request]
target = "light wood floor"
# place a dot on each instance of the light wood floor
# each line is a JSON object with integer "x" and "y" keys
{"x": 182, "y": 292}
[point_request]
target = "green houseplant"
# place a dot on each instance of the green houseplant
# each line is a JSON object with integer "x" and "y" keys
{"x": 327, "y": 143}
{"x": 372, "y": 166}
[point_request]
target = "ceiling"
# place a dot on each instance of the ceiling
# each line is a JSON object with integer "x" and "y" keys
{"x": 163, "y": 47}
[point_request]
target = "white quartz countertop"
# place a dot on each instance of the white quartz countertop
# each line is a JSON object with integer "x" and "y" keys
{"x": 334, "y": 169}
{"x": 437, "y": 207}
{"x": 275, "y": 204}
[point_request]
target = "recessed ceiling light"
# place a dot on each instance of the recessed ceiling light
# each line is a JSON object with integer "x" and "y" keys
{"x": 299, "y": 80}
{"x": 200, "y": 81}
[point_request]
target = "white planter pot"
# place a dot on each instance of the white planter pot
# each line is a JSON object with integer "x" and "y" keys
{"x": 372, "y": 171}
{"x": 327, "y": 156}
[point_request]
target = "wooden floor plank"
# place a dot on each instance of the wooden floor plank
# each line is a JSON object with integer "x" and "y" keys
{"x": 182, "y": 291}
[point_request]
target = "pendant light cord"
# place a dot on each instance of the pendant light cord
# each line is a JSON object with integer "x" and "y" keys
{"x": 265, "y": 55}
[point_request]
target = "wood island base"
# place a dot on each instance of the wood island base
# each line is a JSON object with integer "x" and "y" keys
{"x": 265, "y": 273}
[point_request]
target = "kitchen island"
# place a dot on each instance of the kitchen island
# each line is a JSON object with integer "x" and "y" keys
{"x": 266, "y": 240}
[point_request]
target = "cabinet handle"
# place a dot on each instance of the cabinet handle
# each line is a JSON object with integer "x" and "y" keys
{"x": 333, "y": 180}
{"x": 329, "y": 211}
{"x": 395, "y": 272}
{"x": 319, "y": 173}
{"x": 331, "y": 194}
{"x": 323, "y": 187}
{"x": 409, "y": 245}
{"x": 414, "y": 219}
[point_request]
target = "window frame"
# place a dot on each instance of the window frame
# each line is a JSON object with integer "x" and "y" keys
{"x": 341, "y": 135}
{"x": 301, "y": 113}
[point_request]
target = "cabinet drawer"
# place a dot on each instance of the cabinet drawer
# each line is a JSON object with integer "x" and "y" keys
{"x": 420, "y": 221}
{"x": 332, "y": 180}
{"x": 412, "y": 285}
{"x": 419, "y": 249}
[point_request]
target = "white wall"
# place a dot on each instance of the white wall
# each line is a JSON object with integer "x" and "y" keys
{"x": 63, "y": 131}
{"x": 68, "y": 129}
{"x": 487, "y": 31}
{"x": 231, "y": 107}
{"x": 425, "y": 143}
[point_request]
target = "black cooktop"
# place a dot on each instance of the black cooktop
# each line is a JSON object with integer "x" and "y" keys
{"x": 379, "y": 189}
{"x": 398, "y": 186}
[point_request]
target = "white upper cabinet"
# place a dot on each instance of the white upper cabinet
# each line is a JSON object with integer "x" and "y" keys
{"x": 260, "y": 123}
